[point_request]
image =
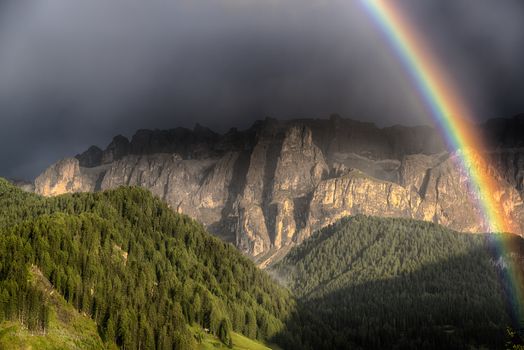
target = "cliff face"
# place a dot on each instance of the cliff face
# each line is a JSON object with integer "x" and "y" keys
{"x": 271, "y": 186}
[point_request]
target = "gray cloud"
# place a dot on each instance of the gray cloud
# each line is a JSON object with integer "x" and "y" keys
{"x": 74, "y": 73}
{"x": 480, "y": 43}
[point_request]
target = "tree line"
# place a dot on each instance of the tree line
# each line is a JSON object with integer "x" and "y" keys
{"x": 142, "y": 272}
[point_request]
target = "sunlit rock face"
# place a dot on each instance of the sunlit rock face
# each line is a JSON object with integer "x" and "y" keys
{"x": 269, "y": 187}
{"x": 63, "y": 177}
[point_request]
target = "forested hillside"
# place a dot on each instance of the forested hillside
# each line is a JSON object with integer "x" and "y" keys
{"x": 63, "y": 327}
{"x": 372, "y": 283}
{"x": 121, "y": 266}
{"x": 140, "y": 271}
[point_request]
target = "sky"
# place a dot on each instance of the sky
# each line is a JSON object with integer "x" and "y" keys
{"x": 77, "y": 73}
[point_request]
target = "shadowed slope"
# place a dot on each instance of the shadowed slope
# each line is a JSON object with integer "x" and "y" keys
{"x": 373, "y": 283}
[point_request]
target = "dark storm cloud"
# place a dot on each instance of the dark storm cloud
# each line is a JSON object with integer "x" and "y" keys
{"x": 74, "y": 73}
{"x": 481, "y": 44}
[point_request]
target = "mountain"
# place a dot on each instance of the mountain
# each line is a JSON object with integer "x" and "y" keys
{"x": 271, "y": 186}
{"x": 371, "y": 283}
{"x": 119, "y": 269}
{"x": 123, "y": 267}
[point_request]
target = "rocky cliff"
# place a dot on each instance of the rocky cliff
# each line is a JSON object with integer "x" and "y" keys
{"x": 271, "y": 186}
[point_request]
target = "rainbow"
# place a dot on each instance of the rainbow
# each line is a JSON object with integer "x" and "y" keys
{"x": 451, "y": 116}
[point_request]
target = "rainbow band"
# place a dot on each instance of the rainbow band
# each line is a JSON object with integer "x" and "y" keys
{"x": 450, "y": 115}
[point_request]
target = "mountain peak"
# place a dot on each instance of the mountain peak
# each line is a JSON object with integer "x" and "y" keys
{"x": 273, "y": 184}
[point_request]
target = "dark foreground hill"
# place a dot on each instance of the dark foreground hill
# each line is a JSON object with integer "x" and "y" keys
{"x": 124, "y": 260}
{"x": 395, "y": 283}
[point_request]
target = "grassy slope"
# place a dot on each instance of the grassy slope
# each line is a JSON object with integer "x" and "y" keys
{"x": 240, "y": 342}
{"x": 68, "y": 329}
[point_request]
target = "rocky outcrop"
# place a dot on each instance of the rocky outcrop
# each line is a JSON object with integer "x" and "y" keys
{"x": 64, "y": 177}
{"x": 90, "y": 158}
{"x": 116, "y": 150}
{"x": 285, "y": 167}
{"x": 510, "y": 162}
{"x": 357, "y": 193}
{"x": 269, "y": 187}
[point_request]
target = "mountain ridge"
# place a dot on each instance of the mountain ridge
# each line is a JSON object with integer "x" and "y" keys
{"x": 270, "y": 186}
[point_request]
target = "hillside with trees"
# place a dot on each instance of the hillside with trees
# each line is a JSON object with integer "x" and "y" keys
{"x": 119, "y": 269}
{"x": 145, "y": 275}
{"x": 396, "y": 283}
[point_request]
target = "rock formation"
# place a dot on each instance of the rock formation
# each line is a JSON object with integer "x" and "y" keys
{"x": 269, "y": 187}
